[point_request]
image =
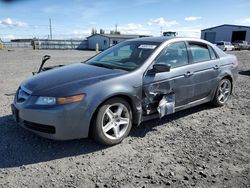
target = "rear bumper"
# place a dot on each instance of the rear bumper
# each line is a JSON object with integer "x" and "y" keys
{"x": 63, "y": 122}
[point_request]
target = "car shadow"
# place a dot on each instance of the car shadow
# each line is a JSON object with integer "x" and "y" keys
{"x": 150, "y": 125}
{"x": 245, "y": 73}
{"x": 20, "y": 147}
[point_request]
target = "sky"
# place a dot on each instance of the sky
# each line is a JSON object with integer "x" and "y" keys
{"x": 76, "y": 18}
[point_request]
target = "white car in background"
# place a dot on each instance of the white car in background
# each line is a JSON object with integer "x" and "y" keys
{"x": 225, "y": 46}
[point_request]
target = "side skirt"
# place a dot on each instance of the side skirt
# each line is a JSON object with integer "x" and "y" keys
{"x": 179, "y": 108}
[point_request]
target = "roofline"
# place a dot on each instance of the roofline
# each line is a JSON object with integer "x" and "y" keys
{"x": 97, "y": 34}
{"x": 225, "y": 25}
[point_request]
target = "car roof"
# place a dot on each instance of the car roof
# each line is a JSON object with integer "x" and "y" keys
{"x": 164, "y": 39}
{"x": 152, "y": 39}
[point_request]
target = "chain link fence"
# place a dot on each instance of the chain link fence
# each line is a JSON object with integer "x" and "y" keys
{"x": 49, "y": 44}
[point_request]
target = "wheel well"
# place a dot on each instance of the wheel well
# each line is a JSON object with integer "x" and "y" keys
{"x": 126, "y": 98}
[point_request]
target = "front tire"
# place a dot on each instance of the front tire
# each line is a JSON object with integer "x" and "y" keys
{"x": 113, "y": 122}
{"x": 222, "y": 93}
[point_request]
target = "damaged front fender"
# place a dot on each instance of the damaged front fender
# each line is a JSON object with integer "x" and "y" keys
{"x": 166, "y": 105}
{"x": 159, "y": 97}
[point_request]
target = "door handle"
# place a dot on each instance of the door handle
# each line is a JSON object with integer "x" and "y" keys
{"x": 216, "y": 67}
{"x": 188, "y": 74}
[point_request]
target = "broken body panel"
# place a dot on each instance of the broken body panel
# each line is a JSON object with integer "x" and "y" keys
{"x": 186, "y": 86}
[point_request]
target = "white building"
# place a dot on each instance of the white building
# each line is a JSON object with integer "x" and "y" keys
{"x": 106, "y": 40}
{"x": 227, "y": 33}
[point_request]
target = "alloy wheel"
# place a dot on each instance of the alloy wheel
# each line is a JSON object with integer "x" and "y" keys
{"x": 115, "y": 121}
{"x": 224, "y": 91}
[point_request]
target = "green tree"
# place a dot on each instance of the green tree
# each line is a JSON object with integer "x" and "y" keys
{"x": 115, "y": 32}
{"x": 102, "y": 31}
{"x": 94, "y": 31}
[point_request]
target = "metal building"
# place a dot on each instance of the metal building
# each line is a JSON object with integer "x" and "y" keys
{"x": 106, "y": 40}
{"x": 227, "y": 33}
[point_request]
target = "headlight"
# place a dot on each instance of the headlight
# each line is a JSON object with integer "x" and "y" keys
{"x": 59, "y": 100}
{"x": 46, "y": 100}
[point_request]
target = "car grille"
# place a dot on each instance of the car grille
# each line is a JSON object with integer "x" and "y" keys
{"x": 39, "y": 127}
{"x": 22, "y": 95}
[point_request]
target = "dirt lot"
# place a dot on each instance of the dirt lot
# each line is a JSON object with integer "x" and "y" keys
{"x": 200, "y": 147}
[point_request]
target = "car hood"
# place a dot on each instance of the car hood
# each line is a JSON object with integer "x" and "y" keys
{"x": 73, "y": 76}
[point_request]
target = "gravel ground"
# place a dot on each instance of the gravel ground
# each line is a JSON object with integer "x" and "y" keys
{"x": 199, "y": 147}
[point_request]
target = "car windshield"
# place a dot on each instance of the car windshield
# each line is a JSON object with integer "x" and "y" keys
{"x": 127, "y": 55}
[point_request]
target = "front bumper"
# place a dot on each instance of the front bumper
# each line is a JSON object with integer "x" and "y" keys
{"x": 62, "y": 122}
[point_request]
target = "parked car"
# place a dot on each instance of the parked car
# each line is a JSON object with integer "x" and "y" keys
{"x": 241, "y": 45}
{"x": 131, "y": 82}
{"x": 225, "y": 46}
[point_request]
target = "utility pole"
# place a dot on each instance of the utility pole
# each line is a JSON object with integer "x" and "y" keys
{"x": 50, "y": 29}
{"x": 161, "y": 31}
{"x": 115, "y": 28}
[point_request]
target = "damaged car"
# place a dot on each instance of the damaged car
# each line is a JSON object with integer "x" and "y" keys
{"x": 131, "y": 82}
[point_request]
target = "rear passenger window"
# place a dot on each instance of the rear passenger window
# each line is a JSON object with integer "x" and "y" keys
{"x": 212, "y": 53}
{"x": 175, "y": 54}
{"x": 200, "y": 52}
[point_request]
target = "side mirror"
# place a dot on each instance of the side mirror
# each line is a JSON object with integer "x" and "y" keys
{"x": 161, "y": 67}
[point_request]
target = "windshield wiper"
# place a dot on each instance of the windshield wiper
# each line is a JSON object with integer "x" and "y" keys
{"x": 108, "y": 66}
{"x": 102, "y": 65}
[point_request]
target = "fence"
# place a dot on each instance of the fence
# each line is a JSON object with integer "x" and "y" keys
{"x": 49, "y": 44}
{"x": 61, "y": 44}
{"x": 17, "y": 45}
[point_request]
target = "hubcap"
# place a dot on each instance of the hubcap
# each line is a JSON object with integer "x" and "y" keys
{"x": 115, "y": 121}
{"x": 224, "y": 91}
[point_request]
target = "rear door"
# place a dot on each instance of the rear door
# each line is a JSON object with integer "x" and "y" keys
{"x": 205, "y": 67}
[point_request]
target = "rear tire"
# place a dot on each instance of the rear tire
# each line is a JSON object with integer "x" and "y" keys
{"x": 222, "y": 93}
{"x": 113, "y": 122}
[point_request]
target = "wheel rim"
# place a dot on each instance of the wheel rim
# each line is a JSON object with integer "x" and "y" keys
{"x": 224, "y": 91}
{"x": 115, "y": 121}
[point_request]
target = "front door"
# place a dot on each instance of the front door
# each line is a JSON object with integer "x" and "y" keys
{"x": 177, "y": 82}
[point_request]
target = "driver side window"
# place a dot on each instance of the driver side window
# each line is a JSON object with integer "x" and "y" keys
{"x": 175, "y": 54}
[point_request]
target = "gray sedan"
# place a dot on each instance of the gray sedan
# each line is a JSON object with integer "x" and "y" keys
{"x": 131, "y": 82}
